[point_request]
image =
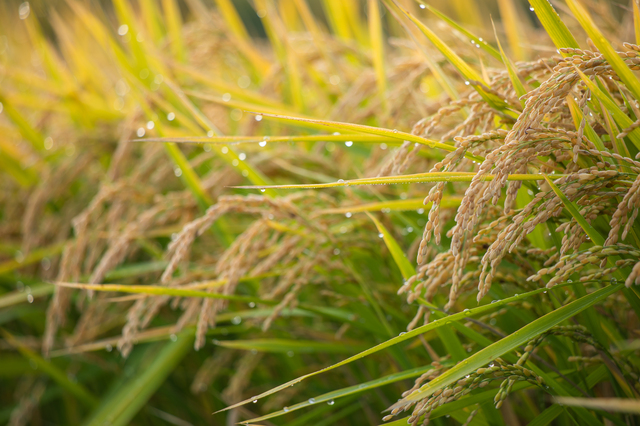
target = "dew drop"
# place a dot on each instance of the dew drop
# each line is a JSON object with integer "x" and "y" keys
{"x": 262, "y": 190}
{"x": 531, "y": 8}
{"x": 402, "y": 333}
{"x": 263, "y": 143}
{"x": 254, "y": 401}
{"x": 140, "y": 132}
{"x": 173, "y": 338}
{"x": 236, "y": 320}
{"x": 226, "y": 97}
{"x": 285, "y": 409}
{"x": 348, "y": 214}
{"x": 30, "y": 298}
{"x": 614, "y": 281}
{"x": 312, "y": 401}
{"x": 340, "y": 180}
{"x": 422, "y": 6}
{"x": 252, "y": 305}
{"x": 467, "y": 83}
{"x": 171, "y": 116}
{"x": 258, "y": 118}
{"x": 380, "y": 235}
{"x": 177, "y": 171}
{"x": 348, "y": 143}
{"x": 108, "y": 348}
{"x": 331, "y": 402}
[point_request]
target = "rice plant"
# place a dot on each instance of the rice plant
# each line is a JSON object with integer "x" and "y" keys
{"x": 291, "y": 212}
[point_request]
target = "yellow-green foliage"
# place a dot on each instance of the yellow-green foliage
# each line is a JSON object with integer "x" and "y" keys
{"x": 329, "y": 208}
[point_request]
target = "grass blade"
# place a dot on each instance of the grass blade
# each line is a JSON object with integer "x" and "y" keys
{"x": 359, "y": 128}
{"x": 573, "y": 209}
{"x": 617, "y": 63}
{"x": 394, "y": 205}
{"x": 631, "y": 406}
{"x": 618, "y": 115}
{"x": 509, "y": 343}
{"x": 238, "y": 140}
{"x": 406, "y": 268}
{"x": 460, "y": 64}
{"x": 408, "y": 335}
{"x": 286, "y": 345}
{"x": 415, "y": 178}
{"x": 557, "y": 30}
{"x": 477, "y": 40}
{"x": 351, "y": 390}
{"x": 163, "y": 291}
{"x": 511, "y": 69}
{"x": 52, "y": 371}
{"x": 31, "y": 258}
{"x": 159, "y": 362}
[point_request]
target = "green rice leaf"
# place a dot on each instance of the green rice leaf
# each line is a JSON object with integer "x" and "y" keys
{"x": 286, "y": 345}
{"x": 253, "y": 140}
{"x": 477, "y": 40}
{"x": 351, "y": 390}
{"x": 16, "y": 297}
{"x": 392, "y": 205}
{"x": 413, "y": 333}
{"x": 573, "y": 209}
{"x": 57, "y": 375}
{"x": 618, "y": 115}
{"x": 119, "y": 408}
{"x": 406, "y": 268}
{"x": 547, "y": 416}
{"x": 511, "y": 69}
{"x": 31, "y": 258}
{"x": 557, "y": 30}
{"x": 619, "y": 405}
{"x": 460, "y": 64}
{"x": 163, "y": 291}
{"x": 359, "y": 128}
{"x": 617, "y": 63}
{"x": 414, "y": 178}
{"x": 509, "y": 343}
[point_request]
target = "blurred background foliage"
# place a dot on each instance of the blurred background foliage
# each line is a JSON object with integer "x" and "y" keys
{"x": 80, "y": 79}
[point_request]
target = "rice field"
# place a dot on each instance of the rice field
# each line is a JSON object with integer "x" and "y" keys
{"x": 319, "y": 212}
